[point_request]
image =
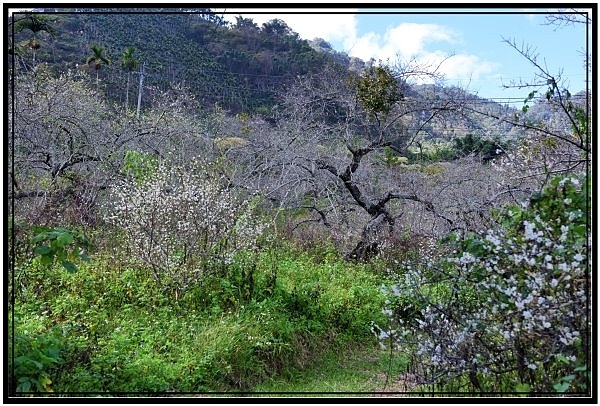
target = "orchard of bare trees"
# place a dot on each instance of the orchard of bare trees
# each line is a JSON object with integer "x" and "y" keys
{"x": 334, "y": 215}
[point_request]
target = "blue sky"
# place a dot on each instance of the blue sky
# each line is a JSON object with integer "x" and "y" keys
{"x": 481, "y": 62}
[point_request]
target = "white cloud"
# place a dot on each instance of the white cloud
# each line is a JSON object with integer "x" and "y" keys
{"x": 406, "y": 40}
{"x": 460, "y": 68}
{"x": 330, "y": 27}
{"x": 410, "y": 39}
{"x": 416, "y": 41}
{"x": 366, "y": 47}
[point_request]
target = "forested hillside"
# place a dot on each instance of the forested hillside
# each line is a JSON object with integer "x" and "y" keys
{"x": 240, "y": 67}
{"x": 272, "y": 205}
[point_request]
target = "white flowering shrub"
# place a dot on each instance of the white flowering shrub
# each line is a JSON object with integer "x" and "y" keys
{"x": 510, "y": 311}
{"x": 184, "y": 223}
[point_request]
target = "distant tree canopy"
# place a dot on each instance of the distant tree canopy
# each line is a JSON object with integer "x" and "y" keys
{"x": 473, "y": 144}
{"x": 247, "y": 24}
{"x": 278, "y": 27}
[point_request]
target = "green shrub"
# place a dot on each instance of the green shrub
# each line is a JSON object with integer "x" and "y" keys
{"x": 61, "y": 245}
{"x": 34, "y": 359}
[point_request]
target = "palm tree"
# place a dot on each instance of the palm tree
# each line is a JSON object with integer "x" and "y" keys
{"x": 35, "y": 23}
{"x": 97, "y": 59}
{"x": 129, "y": 63}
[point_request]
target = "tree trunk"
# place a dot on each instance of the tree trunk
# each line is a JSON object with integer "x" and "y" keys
{"x": 367, "y": 248}
{"x": 127, "y": 92}
{"x": 363, "y": 252}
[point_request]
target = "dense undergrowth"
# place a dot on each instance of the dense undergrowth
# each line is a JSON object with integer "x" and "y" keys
{"x": 502, "y": 312}
{"x": 109, "y": 328}
{"x": 479, "y": 318}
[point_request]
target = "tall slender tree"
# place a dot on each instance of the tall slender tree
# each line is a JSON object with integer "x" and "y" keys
{"x": 96, "y": 60}
{"x": 36, "y": 24}
{"x": 129, "y": 63}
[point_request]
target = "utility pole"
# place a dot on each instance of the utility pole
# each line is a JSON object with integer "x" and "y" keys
{"x": 140, "y": 90}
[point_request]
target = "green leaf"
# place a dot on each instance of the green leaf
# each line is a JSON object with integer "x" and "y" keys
{"x": 24, "y": 386}
{"x": 561, "y": 387}
{"x": 65, "y": 238}
{"x": 69, "y": 266}
{"x": 522, "y": 387}
{"x": 47, "y": 259}
{"x": 38, "y": 364}
{"x": 562, "y": 359}
{"x": 39, "y": 229}
{"x": 43, "y": 250}
{"x": 40, "y": 237}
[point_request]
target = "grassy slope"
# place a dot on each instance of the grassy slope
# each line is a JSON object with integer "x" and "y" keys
{"x": 116, "y": 331}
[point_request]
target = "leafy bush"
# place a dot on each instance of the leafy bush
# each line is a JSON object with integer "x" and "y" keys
{"x": 139, "y": 165}
{"x": 34, "y": 358}
{"x": 60, "y": 244}
{"x": 511, "y": 310}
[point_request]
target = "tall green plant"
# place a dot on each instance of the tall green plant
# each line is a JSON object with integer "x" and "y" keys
{"x": 35, "y": 23}
{"x": 96, "y": 60}
{"x": 34, "y": 359}
{"x": 129, "y": 63}
{"x": 60, "y": 245}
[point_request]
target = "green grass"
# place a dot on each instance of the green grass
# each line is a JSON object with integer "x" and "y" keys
{"x": 359, "y": 370}
{"x": 116, "y": 331}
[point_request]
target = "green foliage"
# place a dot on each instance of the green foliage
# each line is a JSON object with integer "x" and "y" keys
{"x": 392, "y": 159}
{"x": 529, "y": 97}
{"x": 267, "y": 315}
{"x": 472, "y": 144}
{"x": 128, "y": 61}
{"x": 237, "y": 65}
{"x": 564, "y": 204}
{"x": 60, "y": 245}
{"x": 139, "y": 165}
{"x": 34, "y": 360}
{"x": 35, "y": 23}
{"x": 377, "y": 90}
{"x": 97, "y": 58}
{"x": 578, "y": 373}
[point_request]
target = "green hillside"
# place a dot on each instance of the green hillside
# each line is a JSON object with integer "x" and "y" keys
{"x": 239, "y": 66}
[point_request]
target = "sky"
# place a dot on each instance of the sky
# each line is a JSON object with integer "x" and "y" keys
{"x": 471, "y": 45}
